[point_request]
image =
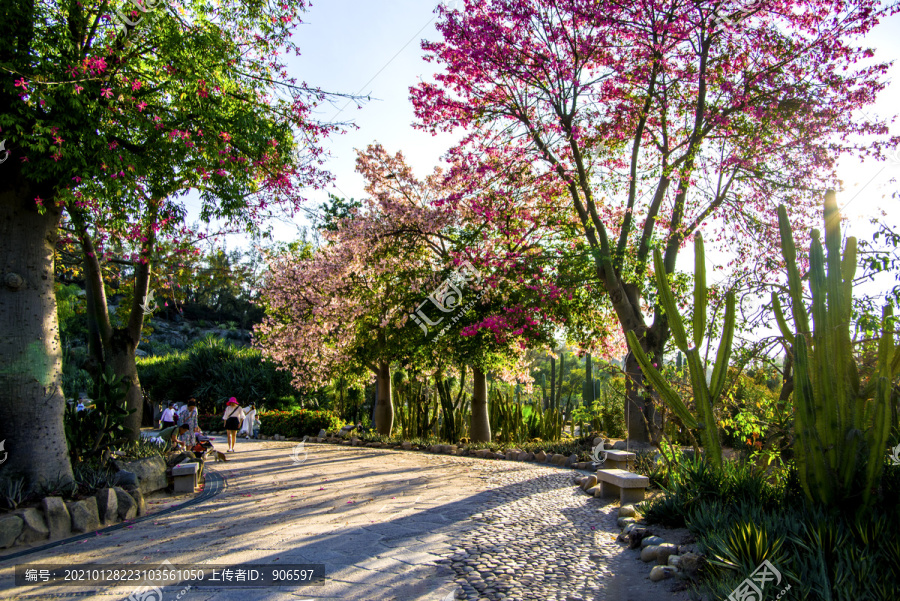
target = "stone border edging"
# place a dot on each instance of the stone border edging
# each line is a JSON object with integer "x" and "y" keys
{"x": 213, "y": 485}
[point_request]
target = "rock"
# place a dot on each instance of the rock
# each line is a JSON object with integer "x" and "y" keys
{"x": 107, "y": 506}
{"x": 10, "y": 529}
{"x": 651, "y": 540}
{"x": 150, "y": 472}
{"x": 684, "y": 549}
{"x": 406, "y": 445}
{"x": 648, "y": 553}
{"x": 523, "y": 456}
{"x": 499, "y": 456}
{"x": 127, "y": 507}
{"x": 594, "y": 491}
{"x": 622, "y": 522}
{"x": 33, "y": 526}
{"x": 589, "y": 482}
{"x": 597, "y": 441}
{"x": 665, "y": 551}
{"x": 176, "y": 458}
{"x": 690, "y": 564}
{"x": 558, "y": 459}
{"x": 619, "y": 445}
{"x": 579, "y": 480}
{"x": 626, "y": 511}
{"x": 624, "y": 535}
{"x": 571, "y": 460}
{"x": 85, "y": 517}
{"x": 674, "y": 560}
{"x": 125, "y": 478}
{"x": 658, "y": 573}
{"x": 138, "y": 497}
{"x": 59, "y": 522}
{"x": 529, "y": 457}
{"x": 322, "y": 434}
{"x": 635, "y": 537}
{"x": 540, "y": 457}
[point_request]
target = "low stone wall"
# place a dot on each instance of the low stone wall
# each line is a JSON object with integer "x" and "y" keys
{"x": 57, "y": 518}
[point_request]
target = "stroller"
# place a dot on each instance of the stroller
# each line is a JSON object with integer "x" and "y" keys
{"x": 204, "y": 444}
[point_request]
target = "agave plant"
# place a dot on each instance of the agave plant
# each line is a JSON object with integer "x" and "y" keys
{"x": 704, "y": 394}
{"x": 838, "y": 420}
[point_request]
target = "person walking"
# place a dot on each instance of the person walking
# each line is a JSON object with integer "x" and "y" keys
{"x": 249, "y": 421}
{"x": 192, "y": 419}
{"x": 233, "y": 418}
{"x": 168, "y": 416}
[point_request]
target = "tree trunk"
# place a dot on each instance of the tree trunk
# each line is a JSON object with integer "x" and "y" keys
{"x": 384, "y": 408}
{"x": 121, "y": 358}
{"x": 31, "y": 397}
{"x": 480, "y": 426}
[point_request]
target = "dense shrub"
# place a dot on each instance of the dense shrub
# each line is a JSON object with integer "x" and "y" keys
{"x": 212, "y": 371}
{"x": 740, "y": 517}
{"x": 297, "y": 423}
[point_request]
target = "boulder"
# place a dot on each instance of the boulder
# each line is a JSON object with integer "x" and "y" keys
{"x": 127, "y": 507}
{"x": 674, "y": 560}
{"x": 619, "y": 445}
{"x": 558, "y": 459}
{"x": 658, "y": 573}
{"x": 571, "y": 460}
{"x": 107, "y": 506}
{"x": 540, "y": 457}
{"x": 622, "y": 522}
{"x": 59, "y": 522}
{"x": 33, "y": 526}
{"x": 589, "y": 482}
{"x": 579, "y": 480}
{"x": 10, "y": 529}
{"x": 528, "y": 457}
{"x": 138, "y": 497}
{"x": 150, "y": 472}
{"x": 651, "y": 540}
{"x": 406, "y": 445}
{"x": 322, "y": 434}
{"x": 690, "y": 564}
{"x": 664, "y": 552}
{"x": 594, "y": 491}
{"x": 499, "y": 455}
{"x": 125, "y": 478}
{"x": 648, "y": 553}
{"x": 85, "y": 517}
{"x": 626, "y": 511}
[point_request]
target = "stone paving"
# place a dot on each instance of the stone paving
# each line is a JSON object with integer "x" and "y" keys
{"x": 388, "y": 526}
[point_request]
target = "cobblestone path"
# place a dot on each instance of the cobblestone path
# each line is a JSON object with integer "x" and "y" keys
{"x": 387, "y": 525}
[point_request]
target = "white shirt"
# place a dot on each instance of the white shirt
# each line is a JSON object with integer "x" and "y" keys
{"x": 168, "y": 415}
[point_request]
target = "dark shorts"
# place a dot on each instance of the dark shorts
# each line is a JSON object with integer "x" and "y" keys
{"x": 232, "y": 423}
{"x": 167, "y": 425}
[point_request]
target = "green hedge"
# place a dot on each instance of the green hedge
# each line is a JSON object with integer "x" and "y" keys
{"x": 212, "y": 371}
{"x": 298, "y": 423}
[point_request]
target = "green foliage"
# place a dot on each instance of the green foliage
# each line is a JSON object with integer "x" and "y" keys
{"x": 12, "y": 491}
{"x": 296, "y": 424}
{"x": 212, "y": 371}
{"x": 841, "y": 424}
{"x": 705, "y": 395}
{"x": 94, "y": 430}
{"x": 139, "y": 449}
{"x": 75, "y": 379}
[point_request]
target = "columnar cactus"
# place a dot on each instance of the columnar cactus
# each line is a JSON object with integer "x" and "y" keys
{"x": 837, "y": 421}
{"x": 704, "y": 395}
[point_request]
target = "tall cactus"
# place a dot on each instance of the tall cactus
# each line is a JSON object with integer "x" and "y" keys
{"x": 704, "y": 395}
{"x": 836, "y": 418}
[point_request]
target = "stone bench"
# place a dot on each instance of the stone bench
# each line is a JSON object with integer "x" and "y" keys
{"x": 184, "y": 475}
{"x": 627, "y": 486}
{"x": 618, "y": 460}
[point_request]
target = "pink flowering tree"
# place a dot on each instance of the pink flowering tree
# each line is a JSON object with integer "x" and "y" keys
{"x": 113, "y": 119}
{"x": 659, "y": 119}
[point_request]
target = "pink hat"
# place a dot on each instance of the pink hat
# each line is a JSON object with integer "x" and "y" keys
{"x": 232, "y": 401}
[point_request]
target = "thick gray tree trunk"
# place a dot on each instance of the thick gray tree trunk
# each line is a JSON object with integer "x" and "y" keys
{"x": 480, "y": 426}
{"x": 31, "y": 396}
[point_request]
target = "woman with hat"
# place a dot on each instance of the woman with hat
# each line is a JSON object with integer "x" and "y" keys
{"x": 233, "y": 418}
